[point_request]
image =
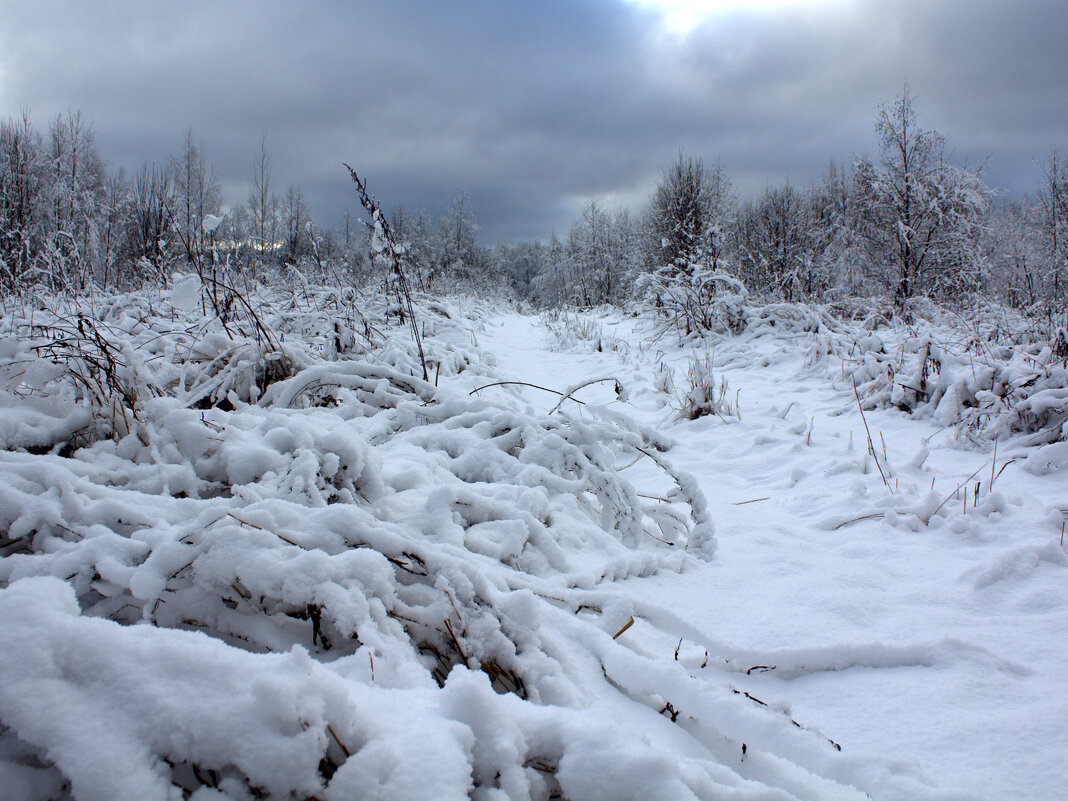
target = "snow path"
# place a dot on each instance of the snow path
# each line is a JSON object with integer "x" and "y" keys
{"x": 938, "y": 651}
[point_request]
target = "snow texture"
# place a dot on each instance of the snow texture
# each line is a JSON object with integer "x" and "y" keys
{"x": 264, "y": 560}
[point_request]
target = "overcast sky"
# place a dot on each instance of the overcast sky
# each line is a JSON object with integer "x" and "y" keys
{"x": 537, "y": 107}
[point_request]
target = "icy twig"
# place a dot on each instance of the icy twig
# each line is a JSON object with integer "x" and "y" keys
{"x": 567, "y": 395}
{"x": 522, "y": 384}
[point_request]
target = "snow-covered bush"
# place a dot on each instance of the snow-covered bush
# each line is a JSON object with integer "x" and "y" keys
{"x": 992, "y": 379}
{"x": 664, "y": 377}
{"x": 568, "y": 329}
{"x": 343, "y": 580}
{"x": 695, "y": 300}
{"x": 703, "y": 395}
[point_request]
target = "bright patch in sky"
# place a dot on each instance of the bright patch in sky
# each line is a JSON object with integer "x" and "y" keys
{"x": 682, "y": 16}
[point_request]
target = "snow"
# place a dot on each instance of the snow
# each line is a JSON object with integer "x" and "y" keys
{"x": 298, "y": 571}
{"x": 211, "y": 222}
{"x": 935, "y": 647}
{"x": 185, "y": 293}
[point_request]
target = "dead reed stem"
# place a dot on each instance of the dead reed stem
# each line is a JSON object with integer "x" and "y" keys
{"x": 871, "y": 446}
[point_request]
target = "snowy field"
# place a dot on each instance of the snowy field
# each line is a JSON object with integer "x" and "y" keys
{"x": 270, "y": 561}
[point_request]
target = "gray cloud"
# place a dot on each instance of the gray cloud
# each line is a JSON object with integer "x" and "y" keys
{"x": 533, "y": 107}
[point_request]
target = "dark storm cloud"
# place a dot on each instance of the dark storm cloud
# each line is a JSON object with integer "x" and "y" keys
{"x": 799, "y": 87}
{"x": 533, "y": 107}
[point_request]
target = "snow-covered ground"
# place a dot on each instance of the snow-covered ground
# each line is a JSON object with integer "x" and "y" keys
{"x": 935, "y": 650}
{"x": 330, "y": 579}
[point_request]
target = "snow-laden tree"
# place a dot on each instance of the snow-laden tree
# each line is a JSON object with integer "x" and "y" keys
{"x": 777, "y": 244}
{"x": 298, "y": 238}
{"x": 630, "y": 243}
{"x": 197, "y": 194}
{"x": 115, "y": 211}
{"x": 602, "y": 255}
{"x": 689, "y": 212}
{"x": 595, "y": 265}
{"x": 416, "y": 235}
{"x": 551, "y": 285}
{"x": 459, "y": 254}
{"x": 51, "y": 195}
{"x": 1053, "y": 225}
{"x": 77, "y": 188}
{"x": 839, "y": 249}
{"x": 1027, "y": 245}
{"x": 919, "y": 216}
{"x": 522, "y": 265}
{"x": 150, "y": 228}
{"x": 689, "y": 216}
{"x": 23, "y": 176}
{"x": 236, "y": 231}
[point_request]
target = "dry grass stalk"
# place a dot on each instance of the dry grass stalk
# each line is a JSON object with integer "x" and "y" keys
{"x": 871, "y": 446}
{"x": 627, "y": 625}
{"x": 393, "y": 251}
{"x": 341, "y": 745}
{"x": 952, "y": 495}
{"x": 872, "y": 516}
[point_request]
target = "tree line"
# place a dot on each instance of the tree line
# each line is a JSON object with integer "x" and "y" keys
{"x": 67, "y": 222}
{"x": 905, "y": 224}
{"x": 908, "y": 223}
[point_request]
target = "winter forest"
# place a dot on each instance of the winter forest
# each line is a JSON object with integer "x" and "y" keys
{"x": 734, "y": 496}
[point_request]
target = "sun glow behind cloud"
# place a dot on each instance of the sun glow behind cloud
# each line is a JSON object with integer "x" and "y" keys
{"x": 682, "y": 16}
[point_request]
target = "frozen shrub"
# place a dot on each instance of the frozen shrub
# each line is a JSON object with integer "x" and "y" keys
{"x": 664, "y": 378}
{"x": 703, "y": 396}
{"x": 995, "y": 378}
{"x": 696, "y": 300}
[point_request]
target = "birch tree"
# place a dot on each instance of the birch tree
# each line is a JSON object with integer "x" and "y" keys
{"x": 920, "y": 216}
